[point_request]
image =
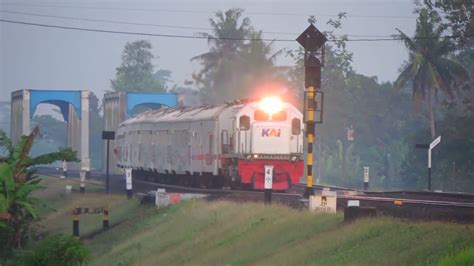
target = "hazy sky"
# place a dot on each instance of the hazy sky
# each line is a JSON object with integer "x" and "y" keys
{"x": 38, "y": 57}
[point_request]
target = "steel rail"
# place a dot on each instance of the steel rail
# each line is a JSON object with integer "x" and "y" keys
{"x": 401, "y": 201}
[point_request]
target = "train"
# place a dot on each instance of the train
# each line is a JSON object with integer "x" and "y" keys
{"x": 226, "y": 145}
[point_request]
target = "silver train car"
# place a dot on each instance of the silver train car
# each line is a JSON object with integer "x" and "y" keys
{"x": 214, "y": 146}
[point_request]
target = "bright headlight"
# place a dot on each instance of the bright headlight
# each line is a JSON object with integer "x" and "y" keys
{"x": 271, "y": 105}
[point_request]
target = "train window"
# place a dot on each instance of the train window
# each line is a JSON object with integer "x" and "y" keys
{"x": 244, "y": 122}
{"x": 295, "y": 126}
{"x": 280, "y": 116}
{"x": 260, "y": 115}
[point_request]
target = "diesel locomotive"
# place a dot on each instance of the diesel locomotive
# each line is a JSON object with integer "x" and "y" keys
{"x": 215, "y": 146}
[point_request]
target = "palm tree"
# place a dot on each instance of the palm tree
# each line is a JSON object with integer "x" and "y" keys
{"x": 227, "y": 41}
{"x": 429, "y": 68}
{"x": 257, "y": 65}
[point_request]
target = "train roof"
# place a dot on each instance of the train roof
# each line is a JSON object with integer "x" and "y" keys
{"x": 175, "y": 114}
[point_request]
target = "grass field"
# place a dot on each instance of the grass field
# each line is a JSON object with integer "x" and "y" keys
{"x": 198, "y": 232}
{"x": 56, "y": 215}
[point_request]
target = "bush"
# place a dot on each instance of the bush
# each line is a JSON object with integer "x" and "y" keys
{"x": 58, "y": 250}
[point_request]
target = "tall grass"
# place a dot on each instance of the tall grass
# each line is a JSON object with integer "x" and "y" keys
{"x": 225, "y": 233}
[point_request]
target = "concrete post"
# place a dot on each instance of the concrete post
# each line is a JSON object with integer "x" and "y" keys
{"x": 85, "y": 131}
{"x": 19, "y": 114}
{"x": 26, "y": 113}
{"x": 73, "y": 135}
{"x": 83, "y": 181}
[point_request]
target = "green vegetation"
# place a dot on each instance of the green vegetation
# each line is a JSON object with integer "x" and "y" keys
{"x": 199, "y": 232}
{"x": 463, "y": 258}
{"x": 429, "y": 69}
{"x": 136, "y": 71}
{"x": 237, "y": 62}
{"x": 18, "y": 208}
{"x": 56, "y": 216}
{"x": 217, "y": 233}
{"x": 57, "y": 250}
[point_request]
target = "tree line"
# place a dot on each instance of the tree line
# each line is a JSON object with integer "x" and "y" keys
{"x": 432, "y": 95}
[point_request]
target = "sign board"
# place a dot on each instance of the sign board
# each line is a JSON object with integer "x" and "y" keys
{"x": 323, "y": 203}
{"x": 128, "y": 178}
{"x": 435, "y": 142}
{"x": 366, "y": 174}
{"x": 311, "y": 39}
{"x": 422, "y": 146}
{"x": 108, "y": 134}
{"x": 432, "y": 145}
{"x": 268, "y": 176}
{"x": 351, "y": 203}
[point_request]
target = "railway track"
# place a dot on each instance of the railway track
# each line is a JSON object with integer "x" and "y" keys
{"x": 404, "y": 204}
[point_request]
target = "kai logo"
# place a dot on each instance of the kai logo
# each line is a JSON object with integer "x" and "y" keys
{"x": 271, "y": 132}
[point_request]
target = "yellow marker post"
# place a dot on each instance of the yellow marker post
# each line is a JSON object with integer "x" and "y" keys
{"x": 105, "y": 221}
{"x": 310, "y": 108}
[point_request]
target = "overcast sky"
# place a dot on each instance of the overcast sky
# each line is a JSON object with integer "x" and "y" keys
{"x": 38, "y": 57}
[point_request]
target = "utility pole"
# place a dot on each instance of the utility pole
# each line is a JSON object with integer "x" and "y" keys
{"x": 313, "y": 42}
{"x": 107, "y": 135}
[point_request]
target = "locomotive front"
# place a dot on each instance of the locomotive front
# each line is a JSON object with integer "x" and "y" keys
{"x": 269, "y": 133}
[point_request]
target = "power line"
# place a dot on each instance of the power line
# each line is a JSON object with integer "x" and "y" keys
{"x": 103, "y": 20}
{"x": 152, "y": 25}
{"x": 215, "y": 38}
{"x": 135, "y": 33}
{"x": 198, "y": 11}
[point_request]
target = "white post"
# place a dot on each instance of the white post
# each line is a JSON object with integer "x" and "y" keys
{"x": 432, "y": 145}
{"x": 366, "y": 177}
{"x": 268, "y": 184}
{"x": 64, "y": 170}
{"x": 128, "y": 182}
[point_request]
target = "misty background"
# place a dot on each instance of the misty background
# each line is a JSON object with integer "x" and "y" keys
{"x": 362, "y": 97}
{"x": 36, "y": 57}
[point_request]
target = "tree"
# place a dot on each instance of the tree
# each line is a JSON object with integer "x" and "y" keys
{"x": 226, "y": 43}
{"x": 460, "y": 20}
{"x": 237, "y": 61}
{"x": 136, "y": 71}
{"x": 429, "y": 68}
{"x": 17, "y": 181}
